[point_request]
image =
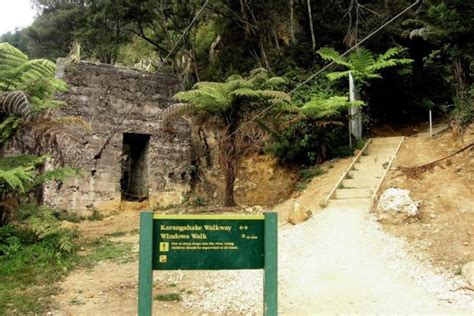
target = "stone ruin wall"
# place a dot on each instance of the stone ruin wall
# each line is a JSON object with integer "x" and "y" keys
{"x": 101, "y": 95}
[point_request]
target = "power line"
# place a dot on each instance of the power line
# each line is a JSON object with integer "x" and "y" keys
{"x": 327, "y": 66}
{"x": 107, "y": 141}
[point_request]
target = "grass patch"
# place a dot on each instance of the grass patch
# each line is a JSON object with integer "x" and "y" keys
{"x": 168, "y": 297}
{"x": 306, "y": 175}
{"x": 199, "y": 201}
{"x": 68, "y": 216}
{"x": 27, "y": 278}
{"x": 103, "y": 250}
{"x": 95, "y": 216}
{"x": 301, "y": 186}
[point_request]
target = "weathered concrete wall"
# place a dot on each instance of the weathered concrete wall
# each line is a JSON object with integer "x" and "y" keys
{"x": 101, "y": 95}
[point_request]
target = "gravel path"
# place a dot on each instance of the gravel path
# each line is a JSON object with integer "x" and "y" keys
{"x": 338, "y": 262}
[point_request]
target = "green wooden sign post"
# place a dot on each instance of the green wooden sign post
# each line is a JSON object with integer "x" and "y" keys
{"x": 208, "y": 242}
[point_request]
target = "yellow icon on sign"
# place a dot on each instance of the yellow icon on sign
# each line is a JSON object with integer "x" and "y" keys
{"x": 163, "y": 258}
{"x": 164, "y": 246}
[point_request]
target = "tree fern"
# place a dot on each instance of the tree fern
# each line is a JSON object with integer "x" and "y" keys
{"x": 232, "y": 103}
{"x": 362, "y": 63}
{"x": 27, "y": 89}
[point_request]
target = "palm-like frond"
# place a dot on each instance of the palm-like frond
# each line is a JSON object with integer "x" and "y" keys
{"x": 362, "y": 63}
{"x": 10, "y": 58}
{"x": 323, "y": 108}
{"x": 338, "y": 75}
{"x": 276, "y": 81}
{"x": 330, "y": 54}
{"x": 35, "y": 77}
{"x": 361, "y": 59}
{"x": 15, "y": 103}
{"x": 245, "y": 93}
{"x": 16, "y": 178}
{"x": 278, "y": 96}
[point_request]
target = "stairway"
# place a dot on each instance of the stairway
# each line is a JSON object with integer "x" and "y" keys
{"x": 361, "y": 181}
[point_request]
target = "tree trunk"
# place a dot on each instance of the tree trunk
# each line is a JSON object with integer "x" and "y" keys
{"x": 292, "y": 21}
{"x": 229, "y": 186}
{"x": 275, "y": 37}
{"x": 229, "y": 159}
{"x": 264, "y": 55}
{"x": 313, "y": 40}
{"x": 461, "y": 82}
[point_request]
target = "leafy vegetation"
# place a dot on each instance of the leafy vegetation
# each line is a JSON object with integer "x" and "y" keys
{"x": 27, "y": 90}
{"x": 169, "y": 297}
{"x": 34, "y": 250}
{"x": 34, "y": 247}
{"x": 230, "y": 105}
{"x": 281, "y": 35}
{"x": 362, "y": 63}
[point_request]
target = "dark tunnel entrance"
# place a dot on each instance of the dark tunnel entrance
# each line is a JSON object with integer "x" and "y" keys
{"x": 134, "y": 181}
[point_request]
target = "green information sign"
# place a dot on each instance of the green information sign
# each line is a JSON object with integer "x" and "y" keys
{"x": 193, "y": 242}
{"x": 207, "y": 242}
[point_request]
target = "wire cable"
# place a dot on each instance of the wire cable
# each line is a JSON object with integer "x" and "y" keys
{"x": 109, "y": 138}
{"x": 327, "y": 66}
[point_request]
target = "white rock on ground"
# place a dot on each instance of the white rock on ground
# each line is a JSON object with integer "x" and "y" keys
{"x": 395, "y": 206}
{"x": 467, "y": 272}
{"x": 299, "y": 213}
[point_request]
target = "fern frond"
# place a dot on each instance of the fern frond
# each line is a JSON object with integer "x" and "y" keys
{"x": 15, "y": 103}
{"x": 392, "y": 52}
{"x": 25, "y": 161}
{"x": 276, "y": 81}
{"x": 56, "y": 174}
{"x": 245, "y": 93}
{"x": 279, "y": 96}
{"x": 319, "y": 108}
{"x": 10, "y": 57}
{"x": 330, "y": 54}
{"x": 16, "y": 178}
{"x": 361, "y": 59}
{"x": 338, "y": 75}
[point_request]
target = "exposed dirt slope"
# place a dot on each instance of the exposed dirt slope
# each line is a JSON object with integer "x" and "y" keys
{"x": 445, "y": 232}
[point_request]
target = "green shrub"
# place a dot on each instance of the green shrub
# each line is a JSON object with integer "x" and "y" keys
{"x": 34, "y": 250}
{"x": 463, "y": 113}
{"x": 306, "y": 144}
{"x": 310, "y": 173}
{"x": 169, "y": 297}
{"x": 199, "y": 201}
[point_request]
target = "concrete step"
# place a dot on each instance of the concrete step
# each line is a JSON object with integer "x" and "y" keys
{"x": 352, "y": 193}
{"x": 383, "y": 145}
{"x": 359, "y": 175}
{"x": 368, "y": 183}
{"x": 374, "y": 159}
{"x": 386, "y": 140}
{"x": 350, "y": 203}
{"x": 365, "y": 166}
{"x": 380, "y": 152}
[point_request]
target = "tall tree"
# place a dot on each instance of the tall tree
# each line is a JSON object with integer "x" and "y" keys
{"x": 311, "y": 28}
{"x": 53, "y": 31}
{"x": 232, "y": 104}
